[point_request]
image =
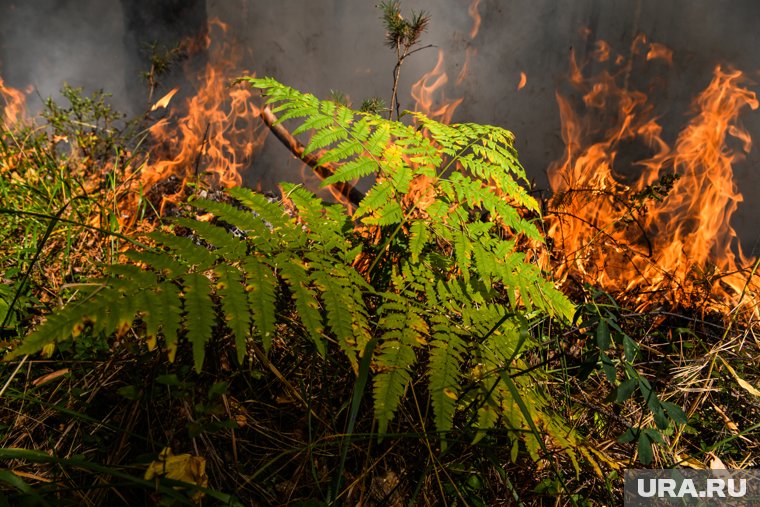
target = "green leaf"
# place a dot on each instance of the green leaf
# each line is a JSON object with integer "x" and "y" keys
{"x": 199, "y": 315}
{"x": 261, "y": 297}
{"x": 352, "y": 170}
{"x": 389, "y": 386}
{"x": 235, "y": 306}
{"x": 660, "y": 419}
{"x": 305, "y": 298}
{"x": 418, "y": 237}
{"x": 630, "y": 348}
{"x": 625, "y": 390}
{"x": 129, "y": 392}
{"x": 675, "y": 412}
{"x": 644, "y": 447}
{"x": 603, "y": 335}
{"x": 608, "y": 367}
{"x": 488, "y": 416}
{"x": 629, "y": 436}
{"x": 185, "y": 249}
{"x": 444, "y": 373}
{"x": 228, "y": 247}
{"x": 217, "y": 389}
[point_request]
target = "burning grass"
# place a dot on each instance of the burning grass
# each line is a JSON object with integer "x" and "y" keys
{"x": 92, "y": 417}
{"x": 663, "y": 236}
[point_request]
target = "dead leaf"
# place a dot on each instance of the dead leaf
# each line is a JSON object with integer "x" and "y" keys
{"x": 688, "y": 461}
{"x": 50, "y": 377}
{"x": 33, "y": 477}
{"x": 731, "y": 425}
{"x": 743, "y": 383}
{"x": 182, "y": 467}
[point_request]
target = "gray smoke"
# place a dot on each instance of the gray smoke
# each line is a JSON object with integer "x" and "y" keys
{"x": 338, "y": 44}
{"x": 45, "y": 43}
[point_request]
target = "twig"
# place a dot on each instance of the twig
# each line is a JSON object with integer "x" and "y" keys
{"x": 200, "y": 150}
{"x": 324, "y": 171}
{"x": 400, "y": 57}
{"x": 13, "y": 375}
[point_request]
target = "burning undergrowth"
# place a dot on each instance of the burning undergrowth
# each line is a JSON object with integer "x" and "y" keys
{"x": 656, "y": 228}
{"x": 212, "y": 137}
{"x": 653, "y": 230}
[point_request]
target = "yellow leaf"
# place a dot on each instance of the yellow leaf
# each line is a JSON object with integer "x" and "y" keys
{"x": 182, "y": 467}
{"x": 743, "y": 383}
{"x": 688, "y": 461}
{"x": 47, "y": 350}
{"x": 172, "y": 351}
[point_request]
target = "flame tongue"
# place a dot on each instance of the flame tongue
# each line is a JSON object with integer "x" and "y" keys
{"x": 211, "y": 137}
{"x": 424, "y": 93}
{"x": 694, "y": 222}
{"x": 12, "y": 104}
{"x": 628, "y": 236}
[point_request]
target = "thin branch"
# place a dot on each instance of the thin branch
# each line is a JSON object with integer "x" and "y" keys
{"x": 324, "y": 171}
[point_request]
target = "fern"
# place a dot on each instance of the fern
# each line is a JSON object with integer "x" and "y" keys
{"x": 445, "y": 295}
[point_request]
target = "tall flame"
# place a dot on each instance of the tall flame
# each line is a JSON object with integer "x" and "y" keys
{"x": 425, "y": 91}
{"x": 642, "y": 237}
{"x": 428, "y": 92}
{"x": 212, "y": 136}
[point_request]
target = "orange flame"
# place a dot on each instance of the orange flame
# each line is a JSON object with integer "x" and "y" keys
{"x": 424, "y": 91}
{"x": 523, "y": 81}
{"x": 657, "y": 50}
{"x": 163, "y": 102}
{"x": 211, "y": 137}
{"x": 602, "y": 52}
{"x": 432, "y": 83}
{"x": 630, "y": 234}
{"x": 475, "y": 15}
{"x": 470, "y": 52}
{"x": 13, "y": 104}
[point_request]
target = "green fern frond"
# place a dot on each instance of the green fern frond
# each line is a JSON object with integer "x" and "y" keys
{"x": 444, "y": 373}
{"x": 261, "y": 297}
{"x": 258, "y": 234}
{"x": 352, "y": 170}
{"x": 295, "y": 275}
{"x": 405, "y": 329}
{"x": 234, "y": 305}
{"x": 418, "y": 238}
{"x": 158, "y": 261}
{"x": 199, "y": 314}
{"x": 268, "y": 211}
{"x": 397, "y": 359}
{"x": 185, "y": 249}
{"x": 226, "y": 245}
{"x": 432, "y": 278}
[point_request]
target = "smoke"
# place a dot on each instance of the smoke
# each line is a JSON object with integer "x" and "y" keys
{"x": 93, "y": 44}
{"x": 45, "y": 43}
{"x": 339, "y": 45}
